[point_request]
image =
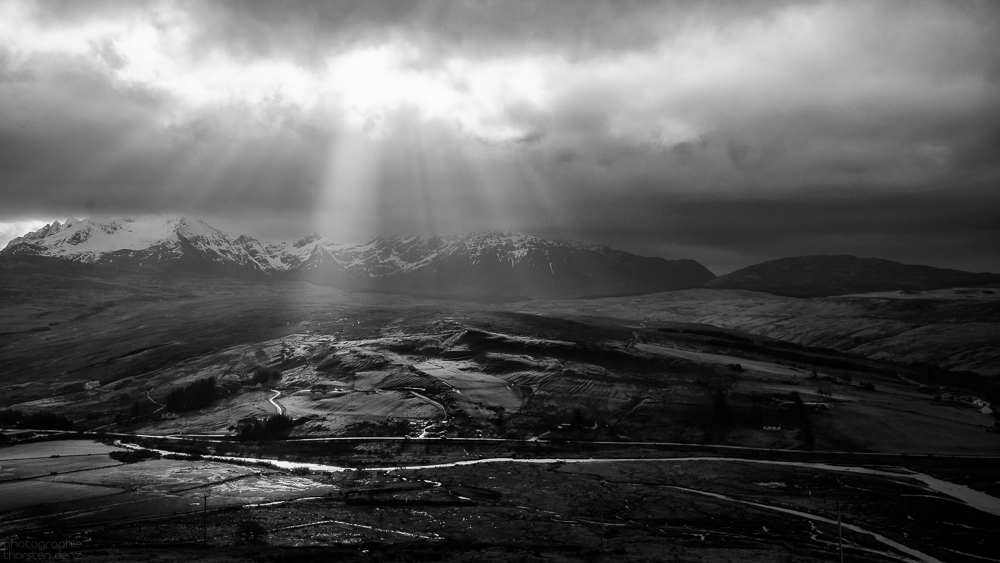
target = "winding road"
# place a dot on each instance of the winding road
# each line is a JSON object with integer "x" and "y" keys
{"x": 277, "y": 406}
{"x": 161, "y": 405}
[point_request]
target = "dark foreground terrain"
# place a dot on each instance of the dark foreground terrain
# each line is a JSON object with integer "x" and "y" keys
{"x": 508, "y": 501}
{"x": 700, "y": 425}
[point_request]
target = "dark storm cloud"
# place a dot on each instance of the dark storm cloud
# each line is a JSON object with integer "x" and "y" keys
{"x": 309, "y": 29}
{"x": 87, "y": 140}
{"x": 698, "y": 127}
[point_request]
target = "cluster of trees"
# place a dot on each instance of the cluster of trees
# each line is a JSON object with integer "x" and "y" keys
{"x": 138, "y": 409}
{"x": 42, "y": 420}
{"x": 195, "y": 395}
{"x": 265, "y": 375}
{"x": 802, "y": 416}
{"x": 133, "y": 456}
{"x": 275, "y": 426}
{"x": 203, "y": 392}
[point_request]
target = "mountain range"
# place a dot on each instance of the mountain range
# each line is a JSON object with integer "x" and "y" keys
{"x": 485, "y": 265}
{"x": 502, "y": 265}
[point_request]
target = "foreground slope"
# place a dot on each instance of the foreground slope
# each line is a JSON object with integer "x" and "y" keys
{"x": 820, "y": 276}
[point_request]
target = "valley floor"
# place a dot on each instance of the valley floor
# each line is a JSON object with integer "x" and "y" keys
{"x": 570, "y": 506}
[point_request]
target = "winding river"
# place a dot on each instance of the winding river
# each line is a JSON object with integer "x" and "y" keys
{"x": 961, "y": 493}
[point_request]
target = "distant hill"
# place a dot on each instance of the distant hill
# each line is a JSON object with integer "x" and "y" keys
{"x": 487, "y": 265}
{"x": 821, "y": 276}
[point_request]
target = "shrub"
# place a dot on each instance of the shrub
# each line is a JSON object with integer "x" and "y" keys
{"x": 250, "y": 532}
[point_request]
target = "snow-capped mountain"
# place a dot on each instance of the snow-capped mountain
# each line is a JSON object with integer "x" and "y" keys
{"x": 500, "y": 264}
{"x": 489, "y": 264}
{"x": 146, "y": 242}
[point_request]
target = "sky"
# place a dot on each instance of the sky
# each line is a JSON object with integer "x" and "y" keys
{"x": 727, "y": 132}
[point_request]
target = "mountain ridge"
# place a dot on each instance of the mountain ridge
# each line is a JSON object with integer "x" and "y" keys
{"x": 502, "y": 264}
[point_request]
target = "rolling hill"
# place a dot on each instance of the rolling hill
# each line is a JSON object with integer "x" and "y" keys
{"x": 823, "y": 276}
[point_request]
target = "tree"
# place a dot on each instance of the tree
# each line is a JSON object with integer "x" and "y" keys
{"x": 720, "y": 410}
{"x": 805, "y": 427}
{"x": 806, "y": 433}
{"x": 756, "y": 416}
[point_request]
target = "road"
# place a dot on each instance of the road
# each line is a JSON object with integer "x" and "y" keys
{"x": 277, "y": 407}
{"x": 161, "y": 405}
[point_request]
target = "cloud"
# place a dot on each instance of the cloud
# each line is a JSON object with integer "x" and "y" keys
{"x": 12, "y": 229}
{"x": 359, "y": 117}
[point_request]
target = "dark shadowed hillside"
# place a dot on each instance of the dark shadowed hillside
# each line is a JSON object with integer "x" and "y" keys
{"x": 821, "y": 276}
